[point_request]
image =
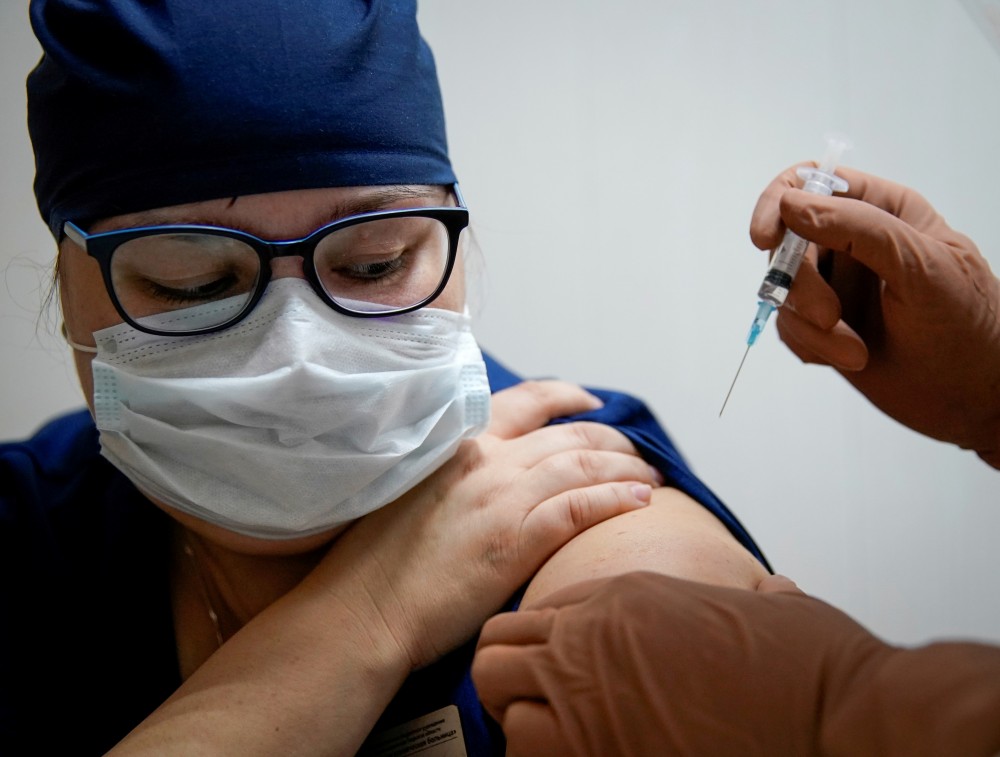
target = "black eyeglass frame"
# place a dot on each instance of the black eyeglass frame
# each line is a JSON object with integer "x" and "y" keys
{"x": 102, "y": 246}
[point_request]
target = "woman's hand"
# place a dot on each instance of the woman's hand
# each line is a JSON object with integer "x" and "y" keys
{"x": 902, "y": 305}
{"x": 429, "y": 568}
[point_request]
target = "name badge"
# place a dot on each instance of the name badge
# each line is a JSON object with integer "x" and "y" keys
{"x": 437, "y": 734}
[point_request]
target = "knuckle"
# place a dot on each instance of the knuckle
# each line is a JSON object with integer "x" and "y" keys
{"x": 556, "y": 466}
{"x": 762, "y": 234}
{"x": 571, "y": 466}
{"x": 537, "y": 390}
{"x": 547, "y": 392}
{"x": 497, "y": 551}
{"x": 586, "y": 462}
{"x": 577, "y": 506}
{"x": 472, "y": 448}
{"x": 469, "y": 458}
{"x": 814, "y": 216}
{"x": 588, "y": 435}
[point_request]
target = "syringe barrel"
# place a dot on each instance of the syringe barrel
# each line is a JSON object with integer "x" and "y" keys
{"x": 782, "y": 269}
{"x": 788, "y": 257}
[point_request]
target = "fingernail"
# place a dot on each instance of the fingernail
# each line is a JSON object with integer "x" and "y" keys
{"x": 657, "y": 476}
{"x": 642, "y": 492}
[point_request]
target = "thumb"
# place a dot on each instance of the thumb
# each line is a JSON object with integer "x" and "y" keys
{"x": 779, "y": 584}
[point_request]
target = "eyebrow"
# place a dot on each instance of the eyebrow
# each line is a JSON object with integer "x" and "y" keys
{"x": 380, "y": 198}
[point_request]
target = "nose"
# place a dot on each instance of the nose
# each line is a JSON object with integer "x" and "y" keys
{"x": 287, "y": 267}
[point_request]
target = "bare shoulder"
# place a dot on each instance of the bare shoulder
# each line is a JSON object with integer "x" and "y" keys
{"x": 673, "y": 535}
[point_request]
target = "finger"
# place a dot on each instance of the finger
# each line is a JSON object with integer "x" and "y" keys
{"x": 535, "y": 446}
{"x": 813, "y": 299}
{"x": 766, "y": 226}
{"x": 571, "y": 595}
{"x": 557, "y": 520}
{"x": 840, "y": 346}
{"x": 503, "y": 674}
{"x": 874, "y": 237}
{"x": 521, "y": 627}
{"x": 532, "y": 404}
{"x": 778, "y": 584}
{"x": 768, "y": 223}
{"x": 579, "y": 468}
{"x": 532, "y": 729}
{"x": 896, "y": 199}
{"x": 801, "y": 351}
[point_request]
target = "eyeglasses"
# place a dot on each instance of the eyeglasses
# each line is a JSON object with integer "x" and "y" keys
{"x": 179, "y": 280}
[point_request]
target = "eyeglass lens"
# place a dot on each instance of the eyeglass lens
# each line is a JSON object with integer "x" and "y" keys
{"x": 185, "y": 281}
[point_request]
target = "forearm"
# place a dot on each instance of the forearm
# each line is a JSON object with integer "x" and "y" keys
{"x": 942, "y": 698}
{"x": 308, "y": 676}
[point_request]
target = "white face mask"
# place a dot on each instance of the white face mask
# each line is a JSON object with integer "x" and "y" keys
{"x": 293, "y": 421}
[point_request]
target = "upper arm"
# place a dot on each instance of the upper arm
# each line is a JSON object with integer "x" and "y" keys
{"x": 674, "y": 535}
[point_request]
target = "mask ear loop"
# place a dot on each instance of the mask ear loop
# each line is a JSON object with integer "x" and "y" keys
{"x": 476, "y": 274}
{"x": 74, "y": 345}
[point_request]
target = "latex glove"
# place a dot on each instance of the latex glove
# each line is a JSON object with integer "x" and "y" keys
{"x": 645, "y": 664}
{"x": 902, "y": 305}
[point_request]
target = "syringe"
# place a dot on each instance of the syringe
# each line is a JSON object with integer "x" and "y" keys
{"x": 787, "y": 258}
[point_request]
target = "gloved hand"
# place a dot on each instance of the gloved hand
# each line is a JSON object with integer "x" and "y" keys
{"x": 903, "y": 306}
{"x": 646, "y": 664}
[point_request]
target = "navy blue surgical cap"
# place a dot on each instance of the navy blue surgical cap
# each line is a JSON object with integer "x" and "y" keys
{"x": 139, "y": 104}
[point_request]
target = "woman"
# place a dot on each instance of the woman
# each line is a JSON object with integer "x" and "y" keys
{"x": 292, "y": 503}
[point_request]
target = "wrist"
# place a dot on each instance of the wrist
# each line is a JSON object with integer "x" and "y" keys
{"x": 942, "y": 698}
{"x": 359, "y": 610}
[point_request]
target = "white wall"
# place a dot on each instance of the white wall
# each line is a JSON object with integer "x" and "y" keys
{"x": 612, "y": 154}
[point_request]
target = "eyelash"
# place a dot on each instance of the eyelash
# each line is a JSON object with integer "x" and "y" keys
{"x": 196, "y": 294}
